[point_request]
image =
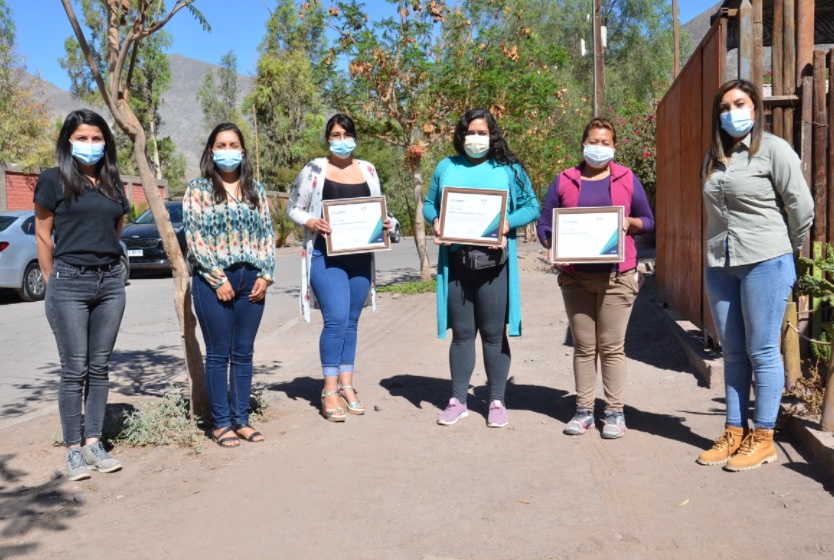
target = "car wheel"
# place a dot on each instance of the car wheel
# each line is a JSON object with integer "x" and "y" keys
{"x": 34, "y": 288}
{"x": 126, "y": 270}
{"x": 395, "y": 238}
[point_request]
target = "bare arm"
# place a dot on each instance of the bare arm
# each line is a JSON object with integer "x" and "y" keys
{"x": 44, "y": 223}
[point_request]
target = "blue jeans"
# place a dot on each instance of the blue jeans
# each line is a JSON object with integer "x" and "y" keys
{"x": 229, "y": 329}
{"x": 748, "y": 305}
{"x": 341, "y": 284}
{"x": 84, "y": 307}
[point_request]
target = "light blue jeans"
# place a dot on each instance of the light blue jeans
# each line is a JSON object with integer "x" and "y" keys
{"x": 748, "y": 305}
{"x": 341, "y": 284}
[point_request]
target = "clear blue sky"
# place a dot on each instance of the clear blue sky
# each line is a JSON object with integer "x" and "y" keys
{"x": 42, "y": 27}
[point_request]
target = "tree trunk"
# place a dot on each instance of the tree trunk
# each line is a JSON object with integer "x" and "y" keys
{"x": 157, "y": 166}
{"x": 182, "y": 283}
{"x": 419, "y": 221}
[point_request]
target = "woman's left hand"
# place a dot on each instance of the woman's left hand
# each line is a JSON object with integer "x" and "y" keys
{"x": 503, "y": 238}
{"x": 386, "y": 224}
{"x": 258, "y": 290}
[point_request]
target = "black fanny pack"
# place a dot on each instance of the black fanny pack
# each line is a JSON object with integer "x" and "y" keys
{"x": 480, "y": 258}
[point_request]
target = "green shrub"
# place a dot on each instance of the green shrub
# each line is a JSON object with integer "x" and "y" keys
{"x": 409, "y": 288}
{"x": 284, "y": 227}
{"x": 164, "y": 422}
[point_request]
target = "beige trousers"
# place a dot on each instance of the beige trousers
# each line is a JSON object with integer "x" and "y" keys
{"x": 598, "y": 307}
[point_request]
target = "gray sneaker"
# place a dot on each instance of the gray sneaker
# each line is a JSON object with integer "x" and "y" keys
{"x": 76, "y": 467}
{"x": 614, "y": 425}
{"x": 581, "y": 421}
{"x": 97, "y": 458}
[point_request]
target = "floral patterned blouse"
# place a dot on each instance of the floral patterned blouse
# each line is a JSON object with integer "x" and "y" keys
{"x": 222, "y": 235}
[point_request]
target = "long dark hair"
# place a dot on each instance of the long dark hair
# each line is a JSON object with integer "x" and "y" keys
{"x": 498, "y": 149}
{"x": 342, "y": 120}
{"x": 720, "y": 139}
{"x": 107, "y": 169}
{"x": 209, "y": 170}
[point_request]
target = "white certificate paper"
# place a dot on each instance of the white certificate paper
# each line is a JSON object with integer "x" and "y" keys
{"x": 473, "y": 216}
{"x": 356, "y": 225}
{"x": 588, "y": 235}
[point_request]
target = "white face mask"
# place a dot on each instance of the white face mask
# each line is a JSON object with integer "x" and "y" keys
{"x": 476, "y": 146}
{"x": 597, "y": 155}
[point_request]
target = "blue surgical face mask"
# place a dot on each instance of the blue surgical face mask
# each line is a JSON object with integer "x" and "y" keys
{"x": 738, "y": 122}
{"x": 342, "y": 148}
{"x": 87, "y": 153}
{"x": 597, "y": 155}
{"x": 227, "y": 160}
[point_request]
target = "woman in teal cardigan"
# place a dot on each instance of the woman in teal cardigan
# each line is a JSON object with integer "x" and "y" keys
{"x": 478, "y": 288}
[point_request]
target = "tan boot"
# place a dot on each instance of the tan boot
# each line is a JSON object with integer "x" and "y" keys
{"x": 723, "y": 447}
{"x": 756, "y": 450}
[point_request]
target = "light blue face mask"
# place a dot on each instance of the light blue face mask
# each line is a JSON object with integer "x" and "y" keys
{"x": 343, "y": 148}
{"x": 87, "y": 153}
{"x": 738, "y": 122}
{"x": 227, "y": 160}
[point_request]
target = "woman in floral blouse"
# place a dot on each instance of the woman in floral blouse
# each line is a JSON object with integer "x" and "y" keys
{"x": 231, "y": 246}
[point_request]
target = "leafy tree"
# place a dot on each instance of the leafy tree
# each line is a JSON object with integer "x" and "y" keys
{"x": 150, "y": 78}
{"x": 111, "y": 64}
{"x": 285, "y": 95}
{"x": 218, "y": 94}
{"x": 26, "y": 132}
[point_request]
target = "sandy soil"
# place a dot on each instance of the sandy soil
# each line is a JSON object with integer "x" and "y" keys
{"x": 394, "y": 485}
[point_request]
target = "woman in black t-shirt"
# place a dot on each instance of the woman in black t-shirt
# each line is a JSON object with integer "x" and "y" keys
{"x": 79, "y": 212}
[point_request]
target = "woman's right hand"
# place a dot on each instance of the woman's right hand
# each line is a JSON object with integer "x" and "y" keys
{"x": 319, "y": 226}
{"x": 435, "y": 226}
{"x": 225, "y": 292}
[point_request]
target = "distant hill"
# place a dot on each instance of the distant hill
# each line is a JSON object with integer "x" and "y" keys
{"x": 182, "y": 118}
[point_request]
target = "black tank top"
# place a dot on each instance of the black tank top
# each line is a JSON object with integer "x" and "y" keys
{"x": 334, "y": 189}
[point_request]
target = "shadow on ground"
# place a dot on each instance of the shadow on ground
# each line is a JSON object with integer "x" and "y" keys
{"x": 45, "y": 507}
{"x": 134, "y": 373}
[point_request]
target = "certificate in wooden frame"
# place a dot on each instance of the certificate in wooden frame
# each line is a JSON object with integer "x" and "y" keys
{"x": 473, "y": 216}
{"x": 356, "y": 225}
{"x": 588, "y": 235}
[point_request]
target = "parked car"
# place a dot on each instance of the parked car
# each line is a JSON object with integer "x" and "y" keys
{"x": 144, "y": 244}
{"x": 396, "y": 232}
{"x": 19, "y": 269}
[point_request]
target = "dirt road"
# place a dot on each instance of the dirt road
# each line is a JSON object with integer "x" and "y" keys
{"x": 394, "y": 485}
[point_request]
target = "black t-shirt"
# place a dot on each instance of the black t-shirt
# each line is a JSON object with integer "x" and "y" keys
{"x": 334, "y": 190}
{"x": 84, "y": 229}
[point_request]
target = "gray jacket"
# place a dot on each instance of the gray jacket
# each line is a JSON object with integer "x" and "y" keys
{"x": 757, "y": 208}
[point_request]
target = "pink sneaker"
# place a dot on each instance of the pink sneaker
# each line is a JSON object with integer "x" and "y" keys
{"x": 454, "y": 412}
{"x": 497, "y": 417}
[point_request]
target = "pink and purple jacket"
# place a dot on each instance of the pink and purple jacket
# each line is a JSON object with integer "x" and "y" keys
{"x": 624, "y": 190}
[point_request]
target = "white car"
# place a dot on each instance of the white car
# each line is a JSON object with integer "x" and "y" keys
{"x": 19, "y": 268}
{"x": 396, "y": 232}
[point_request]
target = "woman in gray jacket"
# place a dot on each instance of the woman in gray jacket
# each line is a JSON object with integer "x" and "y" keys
{"x": 759, "y": 210}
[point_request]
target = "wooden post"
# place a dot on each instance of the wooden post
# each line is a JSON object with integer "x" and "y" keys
{"x": 827, "y": 419}
{"x": 790, "y": 347}
{"x": 807, "y": 130}
{"x": 776, "y": 65}
{"x": 820, "y": 139}
{"x": 745, "y": 43}
{"x": 830, "y": 194}
{"x": 788, "y": 66}
{"x": 758, "y": 43}
{"x": 599, "y": 62}
{"x": 676, "y": 60}
{"x": 257, "y": 149}
{"x": 804, "y": 39}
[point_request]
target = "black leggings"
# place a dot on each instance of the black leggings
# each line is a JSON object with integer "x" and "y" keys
{"x": 478, "y": 303}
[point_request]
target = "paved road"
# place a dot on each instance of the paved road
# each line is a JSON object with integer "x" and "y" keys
{"x": 148, "y": 354}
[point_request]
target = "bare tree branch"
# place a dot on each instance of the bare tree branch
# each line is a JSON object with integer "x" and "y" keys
{"x": 160, "y": 24}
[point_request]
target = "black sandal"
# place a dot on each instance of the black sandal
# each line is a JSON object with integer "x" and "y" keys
{"x": 225, "y": 442}
{"x": 252, "y": 436}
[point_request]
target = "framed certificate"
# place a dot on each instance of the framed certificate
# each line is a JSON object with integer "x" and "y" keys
{"x": 588, "y": 235}
{"x": 356, "y": 225}
{"x": 473, "y": 216}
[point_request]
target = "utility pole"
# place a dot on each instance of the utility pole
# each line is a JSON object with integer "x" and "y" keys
{"x": 676, "y": 61}
{"x": 599, "y": 61}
